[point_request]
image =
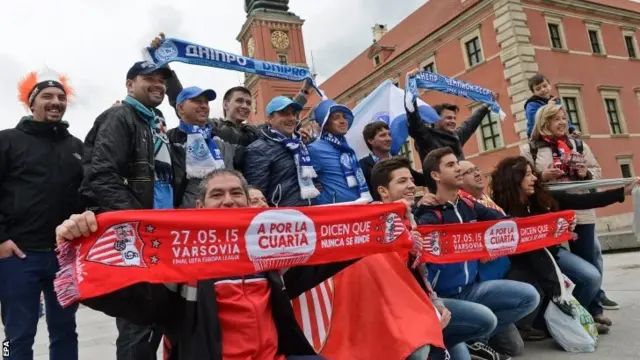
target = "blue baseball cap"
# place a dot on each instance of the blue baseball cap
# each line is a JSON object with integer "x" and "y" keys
{"x": 279, "y": 103}
{"x": 326, "y": 108}
{"x": 146, "y": 68}
{"x": 193, "y": 92}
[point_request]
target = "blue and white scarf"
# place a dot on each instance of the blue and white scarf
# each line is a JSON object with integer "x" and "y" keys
{"x": 163, "y": 191}
{"x": 187, "y": 52}
{"x": 302, "y": 160}
{"x": 348, "y": 162}
{"x": 202, "y": 153}
{"x": 430, "y": 81}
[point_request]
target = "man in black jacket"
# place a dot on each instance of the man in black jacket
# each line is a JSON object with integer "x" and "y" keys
{"x": 445, "y": 132}
{"x": 197, "y": 148}
{"x": 128, "y": 165}
{"x": 218, "y": 318}
{"x": 40, "y": 172}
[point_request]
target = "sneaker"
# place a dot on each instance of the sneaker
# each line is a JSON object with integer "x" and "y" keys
{"x": 609, "y": 304}
{"x": 531, "y": 334}
{"x": 602, "y": 329}
{"x": 480, "y": 351}
{"x": 601, "y": 319}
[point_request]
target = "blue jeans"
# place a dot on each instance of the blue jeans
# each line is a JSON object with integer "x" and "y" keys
{"x": 468, "y": 321}
{"x": 509, "y": 300}
{"x": 588, "y": 248}
{"x": 21, "y": 282}
{"x": 587, "y": 278}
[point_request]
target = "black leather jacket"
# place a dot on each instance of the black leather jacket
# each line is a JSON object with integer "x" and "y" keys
{"x": 118, "y": 162}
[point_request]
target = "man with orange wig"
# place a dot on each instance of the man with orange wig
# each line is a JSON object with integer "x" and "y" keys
{"x": 40, "y": 173}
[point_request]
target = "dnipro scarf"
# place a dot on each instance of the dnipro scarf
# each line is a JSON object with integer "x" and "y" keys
{"x": 157, "y": 124}
{"x": 430, "y": 81}
{"x": 183, "y": 51}
{"x": 176, "y": 246}
{"x": 302, "y": 160}
{"x": 349, "y": 163}
{"x": 202, "y": 153}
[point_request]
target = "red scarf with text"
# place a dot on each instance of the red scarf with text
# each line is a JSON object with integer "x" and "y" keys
{"x": 176, "y": 246}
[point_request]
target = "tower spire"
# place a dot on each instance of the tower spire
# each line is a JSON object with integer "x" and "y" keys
{"x": 278, "y": 6}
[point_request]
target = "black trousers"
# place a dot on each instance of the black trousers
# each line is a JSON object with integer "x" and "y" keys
{"x": 136, "y": 342}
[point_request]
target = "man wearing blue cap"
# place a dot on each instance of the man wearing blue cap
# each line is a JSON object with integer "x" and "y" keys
{"x": 197, "y": 149}
{"x": 333, "y": 159}
{"x": 278, "y": 162}
{"x": 128, "y": 165}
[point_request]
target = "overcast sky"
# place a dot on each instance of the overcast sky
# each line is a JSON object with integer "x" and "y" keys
{"x": 94, "y": 42}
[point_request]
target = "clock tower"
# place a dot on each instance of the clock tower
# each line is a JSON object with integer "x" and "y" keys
{"x": 271, "y": 33}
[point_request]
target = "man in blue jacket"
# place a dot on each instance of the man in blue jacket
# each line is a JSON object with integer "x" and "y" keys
{"x": 509, "y": 300}
{"x": 333, "y": 159}
{"x": 278, "y": 163}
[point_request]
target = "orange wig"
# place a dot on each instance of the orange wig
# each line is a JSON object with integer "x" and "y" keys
{"x": 28, "y": 83}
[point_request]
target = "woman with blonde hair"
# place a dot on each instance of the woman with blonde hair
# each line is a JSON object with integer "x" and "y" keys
{"x": 558, "y": 157}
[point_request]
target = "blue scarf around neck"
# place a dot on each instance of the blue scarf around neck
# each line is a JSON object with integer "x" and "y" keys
{"x": 302, "y": 160}
{"x": 202, "y": 153}
{"x": 348, "y": 162}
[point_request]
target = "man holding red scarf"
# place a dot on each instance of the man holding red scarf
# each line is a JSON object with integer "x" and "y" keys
{"x": 230, "y": 319}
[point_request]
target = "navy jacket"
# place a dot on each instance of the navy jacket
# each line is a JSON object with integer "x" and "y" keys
{"x": 451, "y": 279}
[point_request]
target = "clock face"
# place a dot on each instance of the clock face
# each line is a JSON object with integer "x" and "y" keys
{"x": 279, "y": 39}
{"x": 251, "y": 47}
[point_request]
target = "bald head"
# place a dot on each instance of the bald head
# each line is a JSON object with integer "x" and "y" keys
{"x": 473, "y": 180}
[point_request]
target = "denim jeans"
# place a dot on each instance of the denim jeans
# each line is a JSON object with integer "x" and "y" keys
{"x": 421, "y": 354}
{"x": 468, "y": 321}
{"x": 588, "y": 248}
{"x": 509, "y": 301}
{"x": 136, "y": 342}
{"x": 587, "y": 278}
{"x": 21, "y": 283}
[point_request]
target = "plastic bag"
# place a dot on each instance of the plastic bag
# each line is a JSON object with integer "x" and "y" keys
{"x": 577, "y": 333}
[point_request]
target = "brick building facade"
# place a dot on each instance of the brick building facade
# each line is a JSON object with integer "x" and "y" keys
{"x": 587, "y": 48}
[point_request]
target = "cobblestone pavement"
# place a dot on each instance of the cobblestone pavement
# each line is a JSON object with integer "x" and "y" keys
{"x": 97, "y": 332}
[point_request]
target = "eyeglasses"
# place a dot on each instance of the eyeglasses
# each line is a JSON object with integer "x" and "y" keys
{"x": 471, "y": 171}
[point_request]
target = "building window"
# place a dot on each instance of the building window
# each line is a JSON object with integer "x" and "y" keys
{"x": 625, "y": 162}
{"x": 430, "y": 67}
{"x": 555, "y": 35}
{"x": 594, "y": 39}
{"x": 376, "y": 60}
{"x": 282, "y": 59}
{"x": 631, "y": 44}
{"x": 490, "y": 131}
{"x": 613, "y": 116}
{"x": 405, "y": 151}
{"x": 474, "y": 53}
{"x": 571, "y": 108}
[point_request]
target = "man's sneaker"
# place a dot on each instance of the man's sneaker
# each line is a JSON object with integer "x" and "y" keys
{"x": 480, "y": 351}
{"x": 609, "y": 304}
{"x": 602, "y": 329}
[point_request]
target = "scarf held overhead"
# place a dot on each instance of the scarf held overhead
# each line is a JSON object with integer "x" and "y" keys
{"x": 176, "y": 246}
{"x": 194, "y": 54}
{"x": 202, "y": 153}
{"x": 349, "y": 163}
{"x": 430, "y": 81}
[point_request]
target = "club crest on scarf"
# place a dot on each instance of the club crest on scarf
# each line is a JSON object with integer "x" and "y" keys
{"x": 561, "y": 227}
{"x": 199, "y": 151}
{"x": 119, "y": 245}
{"x": 393, "y": 228}
{"x": 280, "y": 238}
{"x": 166, "y": 52}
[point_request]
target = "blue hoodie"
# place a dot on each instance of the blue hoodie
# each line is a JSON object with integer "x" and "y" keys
{"x": 326, "y": 160}
{"x": 531, "y": 107}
